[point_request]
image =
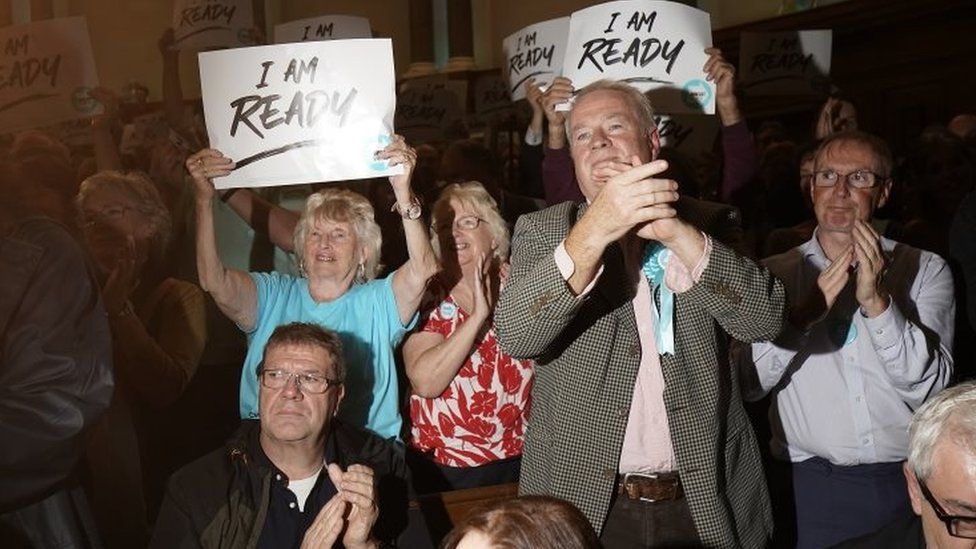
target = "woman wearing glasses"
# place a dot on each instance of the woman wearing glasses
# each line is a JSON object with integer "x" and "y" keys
{"x": 158, "y": 329}
{"x": 469, "y": 401}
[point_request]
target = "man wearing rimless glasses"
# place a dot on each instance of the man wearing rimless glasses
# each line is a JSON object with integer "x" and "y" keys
{"x": 941, "y": 475}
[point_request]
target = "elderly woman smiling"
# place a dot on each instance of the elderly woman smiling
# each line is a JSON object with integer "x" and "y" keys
{"x": 338, "y": 243}
{"x": 470, "y": 400}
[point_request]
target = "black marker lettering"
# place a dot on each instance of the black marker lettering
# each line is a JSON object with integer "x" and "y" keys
{"x": 324, "y": 30}
{"x": 613, "y": 18}
{"x": 16, "y": 46}
{"x": 602, "y": 52}
{"x": 638, "y": 20}
{"x": 296, "y": 70}
{"x": 240, "y": 115}
{"x": 264, "y": 74}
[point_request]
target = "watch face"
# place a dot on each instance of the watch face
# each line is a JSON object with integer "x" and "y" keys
{"x": 413, "y": 212}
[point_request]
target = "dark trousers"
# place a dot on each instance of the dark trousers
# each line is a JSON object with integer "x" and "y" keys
{"x": 834, "y": 503}
{"x": 661, "y": 524}
{"x": 429, "y": 476}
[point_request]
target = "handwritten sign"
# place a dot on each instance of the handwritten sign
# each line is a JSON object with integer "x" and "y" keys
{"x": 537, "y": 52}
{"x": 785, "y": 63}
{"x": 302, "y": 112}
{"x": 656, "y": 46}
{"x": 423, "y": 114}
{"x": 210, "y": 24}
{"x": 491, "y": 94}
{"x": 326, "y": 27}
{"x": 46, "y": 71}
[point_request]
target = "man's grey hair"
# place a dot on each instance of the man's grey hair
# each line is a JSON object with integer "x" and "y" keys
{"x": 950, "y": 416}
{"x": 637, "y": 101}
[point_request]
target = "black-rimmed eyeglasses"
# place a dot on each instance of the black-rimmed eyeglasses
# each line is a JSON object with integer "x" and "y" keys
{"x": 960, "y": 527}
{"x": 307, "y": 382}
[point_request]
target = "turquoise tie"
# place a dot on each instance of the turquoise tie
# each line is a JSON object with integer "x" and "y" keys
{"x": 654, "y": 265}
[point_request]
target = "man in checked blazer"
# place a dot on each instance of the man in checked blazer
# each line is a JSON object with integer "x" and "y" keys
{"x": 638, "y": 424}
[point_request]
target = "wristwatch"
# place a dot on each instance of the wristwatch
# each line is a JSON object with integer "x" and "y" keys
{"x": 411, "y": 211}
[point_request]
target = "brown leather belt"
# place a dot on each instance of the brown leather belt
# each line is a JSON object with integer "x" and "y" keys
{"x": 651, "y": 487}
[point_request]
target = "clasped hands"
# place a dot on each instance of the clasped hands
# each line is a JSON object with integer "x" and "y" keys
{"x": 632, "y": 198}
{"x": 865, "y": 262}
{"x": 351, "y": 513}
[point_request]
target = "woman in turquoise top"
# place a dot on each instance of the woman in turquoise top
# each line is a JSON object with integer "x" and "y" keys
{"x": 338, "y": 244}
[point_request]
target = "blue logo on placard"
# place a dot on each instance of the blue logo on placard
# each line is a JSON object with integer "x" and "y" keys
{"x": 696, "y": 93}
{"x": 379, "y": 165}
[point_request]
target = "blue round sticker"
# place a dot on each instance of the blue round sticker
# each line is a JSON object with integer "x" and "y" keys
{"x": 842, "y": 332}
{"x": 696, "y": 93}
{"x": 448, "y": 310}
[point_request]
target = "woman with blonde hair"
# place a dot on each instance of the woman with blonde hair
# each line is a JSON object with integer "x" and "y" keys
{"x": 338, "y": 245}
{"x": 470, "y": 400}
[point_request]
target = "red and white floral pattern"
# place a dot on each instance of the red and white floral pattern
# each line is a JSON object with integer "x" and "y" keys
{"x": 481, "y": 416}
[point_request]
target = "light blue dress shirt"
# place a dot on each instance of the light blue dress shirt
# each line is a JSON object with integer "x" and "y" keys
{"x": 846, "y": 390}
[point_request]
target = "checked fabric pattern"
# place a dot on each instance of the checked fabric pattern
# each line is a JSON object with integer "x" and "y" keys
{"x": 587, "y": 355}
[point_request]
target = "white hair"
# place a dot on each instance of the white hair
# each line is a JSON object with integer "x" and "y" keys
{"x": 345, "y": 206}
{"x": 952, "y": 414}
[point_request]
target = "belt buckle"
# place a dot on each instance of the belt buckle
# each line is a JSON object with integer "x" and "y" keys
{"x": 652, "y": 476}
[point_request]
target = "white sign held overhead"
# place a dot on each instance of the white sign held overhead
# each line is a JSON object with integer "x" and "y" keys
{"x": 326, "y": 27}
{"x": 211, "y": 24}
{"x": 657, "y": 46}
{"x": 302, "y": 112}
{"x": 535, "y": 52}
{"x": 46, "y": 72}
{"x": 785, "y": 63}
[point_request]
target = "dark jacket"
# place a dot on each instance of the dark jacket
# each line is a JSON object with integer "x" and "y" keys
{"x": 221, "y": 500}
{"x": 55, "y": 381}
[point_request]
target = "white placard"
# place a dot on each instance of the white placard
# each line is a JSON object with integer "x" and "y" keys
{"x": 46, "y": 71}
{"x": 301, "y": 112}
{"x": 785, "y": 63}
{"x": 210, "y": 24}
{"x": 326, "y": 27}
{"x": 657, "y": 46}
{"x": 535, "y": 52}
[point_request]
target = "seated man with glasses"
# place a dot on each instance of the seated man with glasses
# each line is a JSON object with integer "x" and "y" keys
{"x": 297, "y": 476}
{"x": 941, "y": 475}
{"x": 869, "y": 340}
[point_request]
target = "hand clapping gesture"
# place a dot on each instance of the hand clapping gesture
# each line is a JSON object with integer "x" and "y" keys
{"x": 351, "y": 513}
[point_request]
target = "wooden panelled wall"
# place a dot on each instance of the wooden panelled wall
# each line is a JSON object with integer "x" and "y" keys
{"x": 904, "y": 63}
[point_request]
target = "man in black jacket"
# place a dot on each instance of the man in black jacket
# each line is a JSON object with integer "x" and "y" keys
{"x": 296, "y": 476}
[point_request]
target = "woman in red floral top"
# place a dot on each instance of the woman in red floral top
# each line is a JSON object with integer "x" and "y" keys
{"x": 470, "y": 401}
